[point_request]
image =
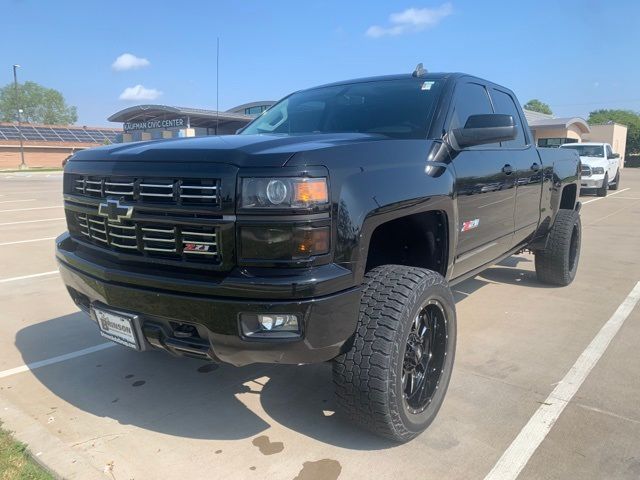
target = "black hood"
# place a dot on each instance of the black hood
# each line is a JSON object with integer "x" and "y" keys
{"x": 239, "y": 150}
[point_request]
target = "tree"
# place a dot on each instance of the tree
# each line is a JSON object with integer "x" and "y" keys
{"x": 39, "y": 105}
{"x": 623, "y": 117}
{"x": 536, "y": 105}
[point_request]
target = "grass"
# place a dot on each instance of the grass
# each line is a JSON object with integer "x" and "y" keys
{"x": 15, "y": 463}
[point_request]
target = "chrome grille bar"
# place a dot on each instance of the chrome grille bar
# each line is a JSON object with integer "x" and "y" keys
{"x": 176, "y": 191}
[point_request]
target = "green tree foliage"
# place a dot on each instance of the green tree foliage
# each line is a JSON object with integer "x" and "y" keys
{"x": 536, "y": 105}
{"x": 623, "y": 117}
{"x": 39, "y": 105}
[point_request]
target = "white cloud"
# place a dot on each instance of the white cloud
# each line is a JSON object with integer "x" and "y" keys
{"x": 128, "y": 61}
{"x": 411, "y": 20}
{"x": 140, "y": 93}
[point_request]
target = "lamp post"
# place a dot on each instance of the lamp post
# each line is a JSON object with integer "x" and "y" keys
{"x": 23, "y": 165}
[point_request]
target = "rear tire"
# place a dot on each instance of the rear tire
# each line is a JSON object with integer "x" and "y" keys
{"x": 557, "y": 264}
{"x": 394, "y": 378}
{"x": 616, "y": 181}
{"x": 602, "y": 191}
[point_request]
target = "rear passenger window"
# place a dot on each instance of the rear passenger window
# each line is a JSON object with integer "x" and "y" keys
{"x": 503, "y": 103}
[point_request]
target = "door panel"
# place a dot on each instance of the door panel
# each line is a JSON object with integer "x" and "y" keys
{"x": 485, "y": 198}
{"x": 485, "y": 188}
{"x": 528, "y": 169}
{"x": 528, "y": 193}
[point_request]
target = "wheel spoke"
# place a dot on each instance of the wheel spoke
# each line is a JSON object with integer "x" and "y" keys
{"x": 424, "y": 357}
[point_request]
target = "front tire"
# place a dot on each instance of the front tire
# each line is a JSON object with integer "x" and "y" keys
{"x": 602, "y": 191}
{"x": 394, "y": 378}
{"x": 557, "y": 264}
{"x": 616, "y": 181}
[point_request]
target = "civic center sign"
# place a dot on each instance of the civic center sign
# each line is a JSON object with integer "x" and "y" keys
{"x": 151, "y": 124}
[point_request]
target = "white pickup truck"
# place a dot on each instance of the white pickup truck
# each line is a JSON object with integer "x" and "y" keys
{"x": 600, "y": 166}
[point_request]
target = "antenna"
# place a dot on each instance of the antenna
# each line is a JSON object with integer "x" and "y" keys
{"x": 420, "y": 71}
{"x": 217, "y": 83}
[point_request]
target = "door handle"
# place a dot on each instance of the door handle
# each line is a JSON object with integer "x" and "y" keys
{"x": 507, "y": 169}
{"x": 535, "y": 167}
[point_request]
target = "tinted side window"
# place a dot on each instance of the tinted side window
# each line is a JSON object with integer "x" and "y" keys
{"x": 470, "y": 99}
{"x": 503, "y": 103}
{"x": 609, "y": 152}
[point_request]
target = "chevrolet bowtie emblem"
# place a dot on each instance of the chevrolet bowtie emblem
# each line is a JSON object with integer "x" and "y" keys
{"x": 114, "y": 211}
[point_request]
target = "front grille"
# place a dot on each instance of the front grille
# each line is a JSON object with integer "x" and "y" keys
{"x": 180, "y": 242}
{"x": 585, "y": 171}
{"x": 149, "y": 190}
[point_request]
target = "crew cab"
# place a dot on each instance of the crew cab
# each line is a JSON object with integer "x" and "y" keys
{"x": 331, "y": 228}
{"x": 600, "y": 166}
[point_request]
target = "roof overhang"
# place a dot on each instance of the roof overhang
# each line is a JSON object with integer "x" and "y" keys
{"x": 564, "y": 123}
{"x": 197, "y": 117}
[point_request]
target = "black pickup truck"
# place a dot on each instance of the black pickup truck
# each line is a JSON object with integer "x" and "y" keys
{"x": 330, "y": 228}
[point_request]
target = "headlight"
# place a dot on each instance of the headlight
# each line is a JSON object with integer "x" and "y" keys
{"x": 286, "y": 192}
{"x": 597, "y": 170}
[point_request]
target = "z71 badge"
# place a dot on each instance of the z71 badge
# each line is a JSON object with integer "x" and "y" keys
{"x": 470, "y": 225}
{"x": 196, "y": 247}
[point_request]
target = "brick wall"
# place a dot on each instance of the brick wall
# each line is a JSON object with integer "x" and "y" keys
{"x": 38, "y": 154}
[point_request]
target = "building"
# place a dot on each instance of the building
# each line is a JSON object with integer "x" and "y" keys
{"x": 155, "y": 122}
{"x": 612, "y": 133}
{"x": 549, "y": 131}
{"x": 48, "y": 145}
{"x": 252, "y": 109}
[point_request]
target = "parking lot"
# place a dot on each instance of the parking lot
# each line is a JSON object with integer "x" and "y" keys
{"x": 90, "y": 409}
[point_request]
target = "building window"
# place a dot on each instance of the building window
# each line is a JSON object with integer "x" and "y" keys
{"x": 255, "y": 110}
{"x": 555, "y": 142}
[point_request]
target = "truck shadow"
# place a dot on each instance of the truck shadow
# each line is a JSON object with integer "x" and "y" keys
{"x": 507, "y": 271}
{"x": 189, "y": 398}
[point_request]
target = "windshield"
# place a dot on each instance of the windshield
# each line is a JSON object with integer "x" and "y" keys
{"x": 587, "y": 150}
{"x": 395, "y": 108}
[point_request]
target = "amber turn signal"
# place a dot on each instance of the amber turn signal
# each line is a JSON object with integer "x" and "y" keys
{"x": 310, "y": 191}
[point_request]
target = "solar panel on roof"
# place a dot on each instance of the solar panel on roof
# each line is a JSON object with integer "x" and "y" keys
{"x": 57, "y": 134}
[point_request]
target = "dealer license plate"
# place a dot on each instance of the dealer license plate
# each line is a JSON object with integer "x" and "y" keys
{"x": 117, "y": 327}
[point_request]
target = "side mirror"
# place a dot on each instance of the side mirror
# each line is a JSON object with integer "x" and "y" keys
{"x": 486, "y": 128}
{"x": 614, "y": 155}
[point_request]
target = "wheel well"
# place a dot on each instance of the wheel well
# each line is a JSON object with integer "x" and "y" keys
{"x": 568, "y": 200}
{"x": 418, "y": 240}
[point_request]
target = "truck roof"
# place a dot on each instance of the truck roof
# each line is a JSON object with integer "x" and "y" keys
{"x": 428, "y": 76}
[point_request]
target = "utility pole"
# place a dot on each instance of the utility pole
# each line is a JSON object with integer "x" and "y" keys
{"x": 23, "y": 166}
{"x": 217, "y": 83}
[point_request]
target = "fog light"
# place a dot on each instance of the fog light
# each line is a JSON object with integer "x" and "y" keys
{"x": 270, "y": 325}
{"x": 278, "y": 322}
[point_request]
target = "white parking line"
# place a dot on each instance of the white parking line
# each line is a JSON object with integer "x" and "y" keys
{"x": 27, "y": 241}
{"x": 515, "y": 458}
{"x": 26, "y": 209}
{"x": 25, "y": 277}
{"x": 610, "y": 194}
{"x": 32, "y": 221}
{"x": 58, "y": 359}
{"x": 34, "y": 192}
{"x": 17, "y": 201}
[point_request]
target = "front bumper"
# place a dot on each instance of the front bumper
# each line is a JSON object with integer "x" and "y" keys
{"x": 328, "y": 316}
{"x": 594, "y": 181}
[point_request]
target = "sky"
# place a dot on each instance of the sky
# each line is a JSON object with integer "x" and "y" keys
{"x": 577, "y": 56}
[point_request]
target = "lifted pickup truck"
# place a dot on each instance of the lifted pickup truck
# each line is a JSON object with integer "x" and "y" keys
{"x": 330, "y": 228}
